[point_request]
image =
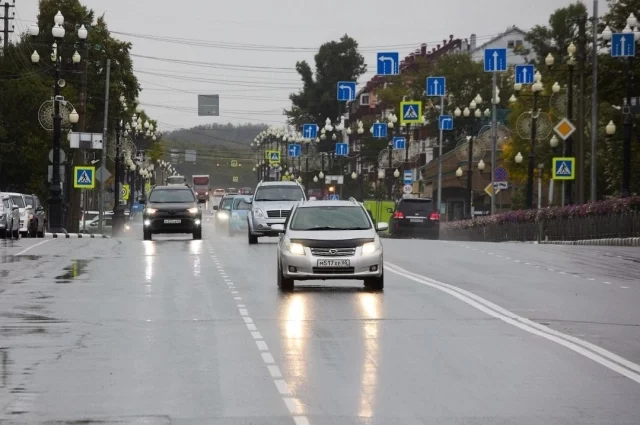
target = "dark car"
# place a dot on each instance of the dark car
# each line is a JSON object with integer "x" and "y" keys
{"x": 171, "y": 209}
{"x": 414, "y": 217}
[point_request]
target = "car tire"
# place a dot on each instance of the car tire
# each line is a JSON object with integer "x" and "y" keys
{"x": 284, "y": 284}
{"x": 146, "y": 235}
{"x": 375, "y": 283}
{"x": 253, "y": 239}
{"x": 197, "y": 235}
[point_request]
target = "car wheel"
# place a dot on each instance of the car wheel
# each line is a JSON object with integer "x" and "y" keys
{"x": 253, "y": 239}
{"x": 375, "y": 283}
{"x": 197, "y": 235}
{"x": 283, "y": 283}
{"x": 146, "y": 235}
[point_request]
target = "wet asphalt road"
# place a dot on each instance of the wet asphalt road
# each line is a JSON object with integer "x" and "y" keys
{"x": 177, "y": 331}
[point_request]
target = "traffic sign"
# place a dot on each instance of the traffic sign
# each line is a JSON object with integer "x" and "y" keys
{"x": 399, "y": 142}
{"x": 334, "y": 197}
{"x": 489, "y": 191}
{"x": 234, "y": 163}
{"x": 407, "y": 188}
{"x": 346, "y": 91}
{"x": 273, "y": 157}
{"x": 564, "y": 128}
{"x": 235, "y": 179}
{"x": 380, "y": 130}
{"x": 294, "y": 150}
{"x": 501, "y": 174}
{"x": 436, "y": 86}
{"x": 501, "y": 185}
{"x": 310, "y": 131}
{"x": 84, "y": 177}
{"x": 342, "y": 149}
{"x": 524, "y": 74}
{"x": 623, "y": 45}
{"x": 102, "y": 174}
{"x": 445, "y": 122}
{"x": 125, "y": 192}
{"x": 388, "y": 63}
{"x": 411, "y": 112}
{"x": 408, "y": 177}
{"x": 495, "y": 60}
{"x": 63, "y": 157}
{"x": 564, "y": 168}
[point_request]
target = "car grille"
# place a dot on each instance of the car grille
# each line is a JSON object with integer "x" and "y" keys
{"x": 333, "y": 252}
{"x": 278, "y": 213}
{"x": 172, "y": 214}
{"x": 337, "y": 270}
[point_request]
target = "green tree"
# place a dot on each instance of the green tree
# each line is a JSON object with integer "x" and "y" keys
{"x": 316, "y": 101}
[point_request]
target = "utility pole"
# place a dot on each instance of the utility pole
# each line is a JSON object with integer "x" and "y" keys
{"x": 105, "y": 135}
{"x": 6, "y": 18}
{"x": 580, "y": 148}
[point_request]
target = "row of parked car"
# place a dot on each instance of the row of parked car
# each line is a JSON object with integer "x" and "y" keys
{"x": 21, "y": 215}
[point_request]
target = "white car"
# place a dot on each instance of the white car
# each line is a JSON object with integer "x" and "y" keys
{"x": 9, "y": 218}
{"x": 19, "y": 200}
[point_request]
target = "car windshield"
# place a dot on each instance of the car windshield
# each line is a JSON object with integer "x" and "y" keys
{"x": 421, "y": 207}
{"x": 226, "y": 203}
{"x": 330, "y": 218}
{"x": 28, "y": 199}
{"x": 167, "y": 196}
{"x": 279, "y": 193}
{"x": 241, "y": 204}
{"x": 17, "y": 199}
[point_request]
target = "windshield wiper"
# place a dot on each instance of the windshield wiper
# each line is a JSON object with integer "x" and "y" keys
{"x": 320, "y": 228}
{"x": 352, "y": 228}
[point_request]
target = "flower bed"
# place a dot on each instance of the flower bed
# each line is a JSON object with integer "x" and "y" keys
{"x": 612, "y": 218}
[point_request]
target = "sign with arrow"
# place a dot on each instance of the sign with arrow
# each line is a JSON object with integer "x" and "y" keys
{"x": 445, "y": 122}
{"x": 436, "y": 86}
{"x": 379, "y": 130}
{"x": 623, "y": 45}
{"x": 399, "y": 143}
{"x": 310, "y": 131}
{"x": 388, "y": 63}
{"x": 524, "y": 74}
{"x": 495, "y": 60}
{"x": 346, "y": 91}
{"x": 294, "y": 150}
{"x": 342, "y": 149}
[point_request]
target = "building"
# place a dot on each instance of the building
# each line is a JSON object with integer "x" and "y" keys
{"x": 513, "y": 39}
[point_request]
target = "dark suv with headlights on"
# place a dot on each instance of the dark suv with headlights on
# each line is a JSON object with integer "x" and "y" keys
{"x": 171, "y": 209}
{"x": 414, "y": 217}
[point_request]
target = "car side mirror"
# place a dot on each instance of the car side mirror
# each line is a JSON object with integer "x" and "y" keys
{"x": 382, "y": 226}
{"x": 278, "y": 227}
{"x": 215, "y": 208}
{"x": 390, "y": 210}
{"x": 29, "y": 207}
{"x": 14, "y": 207}
{"x": 40, "y": 208}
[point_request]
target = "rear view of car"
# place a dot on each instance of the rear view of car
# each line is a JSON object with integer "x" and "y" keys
{"x": 239, "y": 213}
{"x": 414, "y": 218}
{"x": 9, "y": 218}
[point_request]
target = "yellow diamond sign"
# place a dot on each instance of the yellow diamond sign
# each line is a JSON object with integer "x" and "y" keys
{"x": 489, "y": 188}
{"x": 564, "y": 129}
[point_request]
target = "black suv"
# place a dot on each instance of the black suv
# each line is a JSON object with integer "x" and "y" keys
{"x": 172, "y": 209}
{"x": 414, "y": 217}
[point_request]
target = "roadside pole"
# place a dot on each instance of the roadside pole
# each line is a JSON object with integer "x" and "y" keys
{"x": 105, "y": 135}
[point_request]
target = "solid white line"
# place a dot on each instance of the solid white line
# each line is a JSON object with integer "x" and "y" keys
{"x": 33, "y": 246}
{"x": 274, "y": 371}
{"x": 282, "y": 387}
{"x": 243, "y": 312}
{"x": 262, "y": 346}
{"x": 570, "y": 342}
{"x": 252, "y": 327}
{"x": 268, "y": 358}
{"x": 256, "y": 335}
{"x": 301, "y": 420}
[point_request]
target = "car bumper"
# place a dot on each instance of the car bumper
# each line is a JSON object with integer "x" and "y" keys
{"x": 305, "y": 267}
{"x": 261, "y": 226}
{"x": 158, "y": 225}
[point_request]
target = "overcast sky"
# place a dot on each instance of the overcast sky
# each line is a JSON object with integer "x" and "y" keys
{"x": 262, "y": 40}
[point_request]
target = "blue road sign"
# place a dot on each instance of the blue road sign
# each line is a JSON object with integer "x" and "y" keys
{"x": 310, "y": 131}
{"x": 342, "y": 149}
{"x": 563, "y": 168}
{"x": 408, "y": 177}
{"x": 445, "y": 122}
{"x": 294, "y": 150}
{"x": 623, "y": 45}
{"x": 495, "y": 60}
{"x": 346, "y": 91}
{"x": 436, "y": 86}
{"x": 388, "y": 63}
{"x": 380, "y": 130}
{"x": 524, "y": 74}
{"x": 334, "y": 197}
{"x": 84, "y": 177}
{"x": 501, "y": 174}
{"x": 274, "y": 157}
{"x": 399, "y": 142}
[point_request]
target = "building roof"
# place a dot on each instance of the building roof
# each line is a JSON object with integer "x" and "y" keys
{"x": 510, "y": 30}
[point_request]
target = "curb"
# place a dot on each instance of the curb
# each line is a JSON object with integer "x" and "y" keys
{"x": 75, "y": 236}
{"x": 597, "y": 242}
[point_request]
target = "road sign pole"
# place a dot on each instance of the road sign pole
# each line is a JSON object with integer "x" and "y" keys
{"x": 440, "y": 158}
{"x": 494, "y": 139}
{"x": 105, "y": 132}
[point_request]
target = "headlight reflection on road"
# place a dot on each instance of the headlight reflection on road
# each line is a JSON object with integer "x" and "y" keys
{"x": 370, "y": 307}
{"x": 295, "y": 340}
{"x": 195, "y": 247}
{"x": 149, "y": 251}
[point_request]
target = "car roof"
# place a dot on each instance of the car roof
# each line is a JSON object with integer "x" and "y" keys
{"x": 280, "y": 183}
{"x": 321, "y": 203}
{"x": 172, "y": 187}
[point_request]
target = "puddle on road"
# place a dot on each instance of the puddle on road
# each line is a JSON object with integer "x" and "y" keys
{"x": 5, "y": 258}
{"x": 74, "y": 271}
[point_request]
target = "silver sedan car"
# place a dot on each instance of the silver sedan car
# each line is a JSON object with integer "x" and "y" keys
{"x": 9, "y": 218}
{"x": 324, "y": 240}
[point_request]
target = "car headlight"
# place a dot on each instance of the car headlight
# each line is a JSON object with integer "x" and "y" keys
{"x": 223, "y": 215}
{"x": 258, "y": 212}
{"x": 151, "y": 211}
{"x": 295, "y": 248}
{"x": 370, "y": 247}
{"x": 193, "y": 210}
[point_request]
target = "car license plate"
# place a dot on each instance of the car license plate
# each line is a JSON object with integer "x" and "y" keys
{"x": 416, "y": 220}
{"x": 172, "y": 221}
{"x": 333, "y": 263}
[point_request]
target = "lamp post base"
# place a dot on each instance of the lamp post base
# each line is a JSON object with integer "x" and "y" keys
{"x": 118, "y": 220}
{"x": 56, "y": 216}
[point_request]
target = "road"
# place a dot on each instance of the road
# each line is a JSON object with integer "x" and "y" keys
{"x": 177, "y": 331}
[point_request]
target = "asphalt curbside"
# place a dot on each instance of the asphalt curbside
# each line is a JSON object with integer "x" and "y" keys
{"x": 598, "y": 242}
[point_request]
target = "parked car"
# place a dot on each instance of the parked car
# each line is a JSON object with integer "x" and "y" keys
{"x": 9, "y": 218}
{"x": 414, "y": 217}
{"x": 87, "y": 216}
{"x": 36, "y": 217}
{"x": 18, "y": 199}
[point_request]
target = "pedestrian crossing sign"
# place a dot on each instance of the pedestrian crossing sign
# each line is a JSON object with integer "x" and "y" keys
{"x": 564, "y": 168}
{"x": 84, "y": 177}
{"x": 411, "y": 112}
{"x": 273, "y": 157}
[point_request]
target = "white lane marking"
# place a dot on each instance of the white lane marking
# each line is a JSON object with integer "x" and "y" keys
{"x": 234, "y": 292}
{"x": 252, "y": 327}
{"x": 292, "y": 405}
{"x": 274, "y": 371}
{"x": 237, "y": 298}
{"x": 256, "y": 335}
{"x": 262, "y": 346}
{"x": 301, "y": 420}
{"x": 624, "y": 287}
{"x": 575, "y": 275}
{"x": 33, "y": 246}
{"x": 247, "y": 320}
{"x": 282, "y": 387}
{"x": 244, "y": 312}
{"x": 241, "y": 306}
{"x": 268, "y": 358}
{"x": 598, "y": 354}
{"x": 607, "y": 283}
{"x": 230, "y": 283}
{"x": 590, "y": 278}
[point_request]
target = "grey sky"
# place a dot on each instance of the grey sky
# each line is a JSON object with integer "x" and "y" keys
{"x": 251, "y": 96}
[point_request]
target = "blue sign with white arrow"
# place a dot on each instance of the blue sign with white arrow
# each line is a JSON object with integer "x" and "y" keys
{"x": 623, "y": 45}
{"x": 346, "y": 91}
{"x": 310, "y": 131}
{"x": 436, "y": 86}
{"x": 380, "y": 130}
{"x": 445, "y": 122}
{"x": 388, "y": 63}
{"x": 294, "y": 150}
{"x": 495, "y": 60}
{"x": 399, "y": 142}
{"x": 524, "y": 74}
{"x": 342, "y": 149}
{"x": 408, "y": 177}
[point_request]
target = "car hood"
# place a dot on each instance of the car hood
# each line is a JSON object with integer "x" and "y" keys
{"x": 172, "y": 206}
{"x": 274, "y": 205}
{"x": 325, "y": 235}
